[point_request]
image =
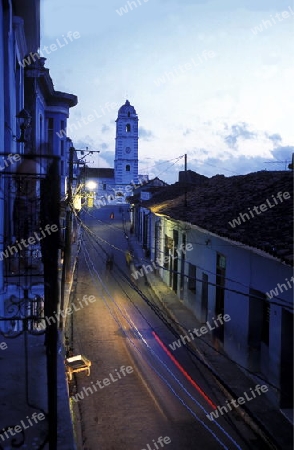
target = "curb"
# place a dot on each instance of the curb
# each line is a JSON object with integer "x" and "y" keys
{"x": 242, "y": 411}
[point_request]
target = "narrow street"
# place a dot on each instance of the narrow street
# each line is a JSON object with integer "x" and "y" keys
{"x": 135, "y": 393}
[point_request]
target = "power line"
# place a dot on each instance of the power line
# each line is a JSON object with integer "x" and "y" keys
{"x": 282, "y": 303}
{"x": 160, "y": 314}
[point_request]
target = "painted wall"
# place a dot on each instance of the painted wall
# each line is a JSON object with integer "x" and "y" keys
{"x": 249, "y": 274}
{"x": 12, "y": 48}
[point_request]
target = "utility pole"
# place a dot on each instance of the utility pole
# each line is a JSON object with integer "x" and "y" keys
{"x": 68, "y": 235}
{"x": 50, "y": 198}
{"x": 291, "y": 165}
{"x": 186, "y": 181}
{"x": 67, "y": 254}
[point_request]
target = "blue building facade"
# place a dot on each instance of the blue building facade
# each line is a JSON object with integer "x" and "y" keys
{"x": 33, "y": 182}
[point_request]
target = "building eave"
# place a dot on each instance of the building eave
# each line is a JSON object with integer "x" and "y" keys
{"x": 52, "y": 97}
{"x": 232, "y": 242}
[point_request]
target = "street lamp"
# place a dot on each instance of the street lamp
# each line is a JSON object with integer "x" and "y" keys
{"x": 91, "y": 185}
{"x": 23, "y": 120}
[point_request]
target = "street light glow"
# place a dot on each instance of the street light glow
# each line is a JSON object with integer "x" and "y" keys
{"x": 91, "y": 185}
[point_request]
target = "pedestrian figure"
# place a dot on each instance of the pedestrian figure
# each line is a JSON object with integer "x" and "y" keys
{"x": 109, "y": 262}
{"x": 129, "y": 258}
{"x": 112, "y": 215}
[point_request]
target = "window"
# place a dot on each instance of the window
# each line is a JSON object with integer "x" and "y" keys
{"x": 220, "y": 292}
{"x": 128, "y": 128}
{"x": 220, "y": 283}
{"x": 41, "y": 129}
{"x": 204, "y": 297}
{"x": 50, "y": 131}
{"x": 192, "y": 278}
{"x": 128, "y": 168}
{"x": 183, "y": 257}
{"x": 168, "y": 245}
{"x": 265, "y": 323}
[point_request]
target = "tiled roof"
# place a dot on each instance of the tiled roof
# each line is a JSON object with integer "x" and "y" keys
{"x": 220, "y": 200}
{"x": 162, "y": 192}
{"x": 155, "y": 182}
{"x": 94, "y": 172}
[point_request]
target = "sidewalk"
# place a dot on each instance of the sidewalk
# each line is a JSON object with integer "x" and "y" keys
{"x": 263, "y": 417}
{"x": 23, "y": 396}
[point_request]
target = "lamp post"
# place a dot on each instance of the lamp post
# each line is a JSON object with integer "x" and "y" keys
{"x": 91, "y": 185}
{"x": 24, "y": 120}
{"x": 88, "y": 152}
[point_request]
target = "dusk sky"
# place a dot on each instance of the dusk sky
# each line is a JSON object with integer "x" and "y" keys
{"x": 208, "y": 78}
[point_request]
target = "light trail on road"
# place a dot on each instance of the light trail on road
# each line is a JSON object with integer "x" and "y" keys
{"x": 114, "y": 314}
{"x": 120, "y": 278}
{"x": 184, "y": 372}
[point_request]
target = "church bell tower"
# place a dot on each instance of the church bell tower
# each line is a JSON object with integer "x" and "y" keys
{"x": 126, "y": 146}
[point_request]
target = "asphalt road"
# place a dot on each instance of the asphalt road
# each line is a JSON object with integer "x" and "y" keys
{"x": 140, "y": 394}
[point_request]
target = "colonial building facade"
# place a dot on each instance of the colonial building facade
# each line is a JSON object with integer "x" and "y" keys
{"x": 238, "y": 264}
{"x": 33, "y": 174}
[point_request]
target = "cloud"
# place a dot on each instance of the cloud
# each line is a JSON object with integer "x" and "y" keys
{"x": 105, "y": 128}
{"x": 145, "y": 135}
{"x": 275, "y": 138}
{"x": 239, "y": 165}
{"x": 238, "y": 131}
{"x": 283, "y": 153}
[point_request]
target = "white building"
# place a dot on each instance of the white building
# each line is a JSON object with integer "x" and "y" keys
{"x": 242, "y": 268}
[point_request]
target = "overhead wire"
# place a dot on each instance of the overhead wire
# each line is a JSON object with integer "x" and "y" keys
{"x": 167, "y": 321}
{"x": 200, "y": 369}
{"x": 228, "y": 419}
{"x": 161, "y": 362}
{"x": 281, "y": 302}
